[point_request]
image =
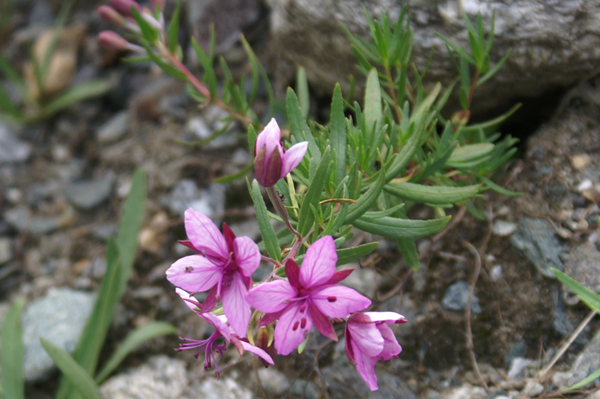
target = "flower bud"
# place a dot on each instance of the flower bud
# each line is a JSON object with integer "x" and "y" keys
{"x": 124, "y": 6}
{"x": 271, "y": 161}
{"x": 265, "y": 335}
{"x": 112, "y": 40}
{"x": 160, "y": 3}
{"x": 111, "y": 16}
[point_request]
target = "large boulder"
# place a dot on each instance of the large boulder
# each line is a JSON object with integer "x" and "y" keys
{"x": 555, "y": 43}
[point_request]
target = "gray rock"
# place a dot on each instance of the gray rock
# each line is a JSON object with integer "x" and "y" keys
{"x": 532, "y": 389}
{"x": 584, "y": 265}
{"x": 466, "y": 391}
{"x": 164, "y": 378}
{"x": 309, "y": 33}
{"x": 186, "y": 195}
{"x": 113, "y": 129}
{"x": 456, "y": 298}
{"x": 21, "y": 219}
{"x": 518, "y": 366}
{"x": 88, "y": 194}
{"x": 503, "y": 228}
{"x": 59, "y": 317}
{"x": 536, "y": 238}
{"x": 273, "y": 381}
{"x": 12, "y": 150}
{"x": 6, "y": 253}
{"x": 304, "y": 389}
{"x": 586, "y": 363}
{"x": 104, "y": 231}
{"x": 518, "y": 350}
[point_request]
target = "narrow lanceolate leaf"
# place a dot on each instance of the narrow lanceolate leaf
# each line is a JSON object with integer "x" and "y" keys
{"x": 347, "y": 255}
{"x": 338, "y": 134}
{"x": 12, "y": 353}
{"x": 209, "y": 72}
{"x": 313, "y": 194}
{"x": 494, "y": 70}
{"x": 499, "y": 189}
{"x": 169, "y": 69}
{"x": 173, "y": 30}
{"x": 299, "y": 127}
{"x": 235, "y": 176}
{"x": 405, "y": 155}
{"x": 79, "y": 377}
{"x": 302, "y": 88}
{"x": 264, "y": 223}
{"x": 131, "y": 221}
{"x": 491, "y": 125}
{"x": 83, "y": 91}
{"x": 469, "y": 153}
{"x": 585, "y": 294}
{"x": 434, "y": 195}
{"x": 149, "y": 32}
{"x": 133, "y": 340}
{"x": 92, "y": 339}
{"x": 398, "y": 227}
{"x": 409, "y": 252}
{"x": 367, "y": 200}
{"x": 588, "y": 380}
{"x": 373, "y": 109}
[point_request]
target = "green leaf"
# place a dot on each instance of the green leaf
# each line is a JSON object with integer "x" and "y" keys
{"x": 133, "y": 340}
{"x": 469, "y": 153}
{"x": 365, "y": 201}
{"x": 408, "y": 249}
{"x": 131, "y": 221}
{"x": 338, "y": 134}
{"x": 235, "y": 176}
{"x": 92, "y": 339}
{"x": 588, "y": 296}
{"x": 8, "y": 107}
{"x": 82, "y": 91}
{"x": 209, "y": 72}
{"x": 264, "y": 223}
{"x": 494, "y": 70}
{"x": 588, "y": 380}
{"x": 12, "y": 352}
{"x": 299, "y": 127}
{"x": 398, "y": 227}
{"x": 169, "y": 69}
{"x": 77, "y": 375}
{"x": 434, "y": 195}
{"x": 313, "y": 194}
{"x": 149, "y": 32}
{"x": 347, "y": 255}
{"x": 173, "y": 30}
{"x": 373, "y": 109}
{"x": 252, "y": 135}
{"x": 302, "y": 89}
{"x": 498, "y": 188}
{"x": 458, "y": 50}
{"x": 491, "y": 125}
{"x": 12, "y": 75}
{"x": 256, "y": 67}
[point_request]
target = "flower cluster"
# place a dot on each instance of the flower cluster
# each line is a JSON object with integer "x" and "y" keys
{"x": 307, "y": 296}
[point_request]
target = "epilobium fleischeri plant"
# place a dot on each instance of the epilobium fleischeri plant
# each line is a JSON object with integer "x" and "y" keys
{"x": 363, "y": 170}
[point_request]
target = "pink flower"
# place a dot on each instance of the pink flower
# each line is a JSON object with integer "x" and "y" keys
{"x": 222, "y": 330}
{"x": 369, "y": 339}
{"x": 271, "y": 161}
{"x": 225, "y": 264}
{"x": 309, "y": 296}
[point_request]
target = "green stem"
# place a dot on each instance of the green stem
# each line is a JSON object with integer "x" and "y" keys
{"x": 280, "y": 209}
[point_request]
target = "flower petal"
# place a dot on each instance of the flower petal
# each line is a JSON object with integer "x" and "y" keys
{"x": 189, "y": 300}
{"x": 339, "y": 276}
{"x": 292, "y": 271}
{"x": 367, "y": 337}
{"x": 323, "y": 325}
{"x": 269, "y": 318}
{"x": 246, "y": 254}
{"x": 338, "y": 301}
{"x": 387, "y": 317}
{"x": 271, "y": 139}
{"x": 318, "y": 265}
{"x": 219, "y": 323}
{"x": 229, "y": 236}
{"x": 292, "y": 157}
{"x": 194, "y": 273}
{"x": 204, "y": 235}
{"x": 365, "y": 365}
{"x": 258, "y": 352}
{"x": 235, "y": 306}
{"x": 391, "y": 347}
{"x": 271, "y": 297}
{"x": 287, "y": 338}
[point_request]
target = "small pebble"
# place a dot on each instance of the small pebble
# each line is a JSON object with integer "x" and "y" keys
{"x": 585, "y": 185}
{"x": 5, "y": 250}
{"x": 533, "y": 389}
{"x": 113, "y": 129}
{"x": 580, "y": 161}
{"x": 503, "y": 228}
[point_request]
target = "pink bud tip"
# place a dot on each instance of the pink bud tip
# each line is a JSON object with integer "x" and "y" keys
{"x": 160, "y": 3}
{"x": 124, "y": 6}
{"x": 110, "y": 39}
{"x": 111, "y": 15}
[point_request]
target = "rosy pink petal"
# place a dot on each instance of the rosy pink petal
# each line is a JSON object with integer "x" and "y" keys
{"x": 271, "y": 297}
{"x": 338, "y": 301}
{"x": 339, "y": 276}
{"x": 318, "y": 265}
{"x": 194, "y": 273}
{"x": 367, "y": 337}
{"x": 348, "y": 340}
{"x": 365, "y": 365}
{"x": 247, "y": 255}
{"x": 229, "y": 236}
{"x": 219, "y": 323}
{"x": 292, "y": 157}
{"x": 269, "y": 318}
{"x": 205, "y": 236}
{"x": 189, "y": 244}
{"x": 292, "y": 271}
{"x": 387, "y": 317}
{"x": 391, "y": 347}
{"x": 323, "y": 325}
{"x": 288, "y": 338}
{"x": 189, "y": 300}
{"x": 235, "y": 306}
{"x": 271, "y": 139}
{"x": 211, "y": 300}
{"x": 258, "y": 352}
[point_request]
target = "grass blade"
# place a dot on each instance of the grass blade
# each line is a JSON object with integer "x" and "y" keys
{"x": 13, "y": 353}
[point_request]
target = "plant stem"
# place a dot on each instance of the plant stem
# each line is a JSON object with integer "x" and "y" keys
{"x": 280, "y": 209}
{"x": 388, "y": 76}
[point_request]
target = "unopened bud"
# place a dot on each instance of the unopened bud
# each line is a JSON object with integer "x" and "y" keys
{"x": 124, "y": 6}
{"x": 461, "y": 117}
{"x": 111, "y": 16}
{"x": 110, "y": 39}
{"x": 160, "y": 3}
{"x": 265, "y": 335}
